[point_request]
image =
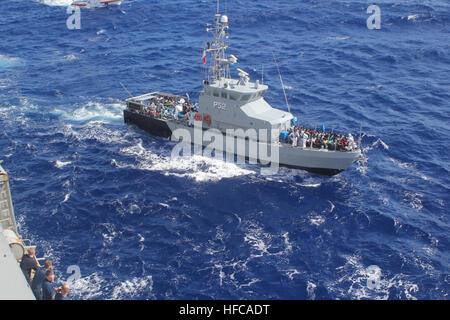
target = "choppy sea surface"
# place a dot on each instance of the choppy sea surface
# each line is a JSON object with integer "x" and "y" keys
{"x": 93, "y": 192}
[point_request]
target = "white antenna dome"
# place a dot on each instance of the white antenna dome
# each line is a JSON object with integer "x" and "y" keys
{"x": 224, "y": 19}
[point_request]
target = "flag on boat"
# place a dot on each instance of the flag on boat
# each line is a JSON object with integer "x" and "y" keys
{"x": 204, "y": 56}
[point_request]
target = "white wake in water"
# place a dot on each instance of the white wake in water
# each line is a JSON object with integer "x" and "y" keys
{"x": 9, "y": 62}
{"x": 369, "y": 282}
{"x": 93, "y": 111}
{"x": 196, "y": 167}
{"x": 61, "y": 164}
{"x": 94, "y": 286}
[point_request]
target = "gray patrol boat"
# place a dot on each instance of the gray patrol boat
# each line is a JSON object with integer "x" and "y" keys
{"x": 235, "y": 108}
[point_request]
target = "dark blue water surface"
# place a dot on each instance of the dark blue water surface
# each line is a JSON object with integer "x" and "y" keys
{"x": 93, "y": 192}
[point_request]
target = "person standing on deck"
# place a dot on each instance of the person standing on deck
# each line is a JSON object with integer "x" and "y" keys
{"x": 49, "y": 287}
{"x": 63, "y": 293}
{"x": 39, "y": 278}
{"x": 29, "y": 263}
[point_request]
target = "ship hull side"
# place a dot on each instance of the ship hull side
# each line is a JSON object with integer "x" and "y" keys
{"x": 320, "y": 162}
{"x": 153, "y": 126}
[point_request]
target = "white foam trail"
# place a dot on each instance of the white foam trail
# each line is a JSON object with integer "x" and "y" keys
{"x": 379, "y": 141}
{"x": 9, "y": 62}
{"x": 414, "y": 200}
{"x": 95, "y": 130}
{"x": 70, "y": 57}
{"x": 311, "y": 290}
{"x": 95, "y": 286}
{"x": 252, "y": 281}
{"x": 131, "y": 288}
{"x": 339, "y": 38}
{"x": 89, "y": 287}
{"x": 316, "y": 220}
{"x": 309, "y": 185}
{"x": 332, "y": 206}
{"x": 93, "y": 111}
{"x": 291, "y": 273}
{"x": 403, "y": 165}
{"x": 260, "y": 241}
{"x": 287, "y": 243}
{"x": 67, "y": 196}
{"x": 196, "y": 167}
{"x": 96, "y": 111}
{"x": 141, "y": 241}
{"x": 359, "y": 282}
{"x": 110, "y": 233}
{"x": 61, "y": 164}
{"x": 5, "y": 83}
{"x": 411, "y": 167}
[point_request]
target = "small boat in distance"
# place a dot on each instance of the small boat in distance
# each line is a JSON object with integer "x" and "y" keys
{"x": 95, "y": 3}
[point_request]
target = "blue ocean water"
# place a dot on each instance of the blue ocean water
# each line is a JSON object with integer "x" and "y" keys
{"x": 93, "y": 192}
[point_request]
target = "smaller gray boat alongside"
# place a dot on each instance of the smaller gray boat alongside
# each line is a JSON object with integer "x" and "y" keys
{"x": 237, "y": 110}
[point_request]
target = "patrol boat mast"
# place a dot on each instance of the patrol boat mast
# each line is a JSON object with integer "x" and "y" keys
{"x": 220, "y": 66}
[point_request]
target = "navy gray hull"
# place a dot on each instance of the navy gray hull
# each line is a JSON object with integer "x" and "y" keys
{"x": 156, "y": 127}
{"x": 321, "y": 162}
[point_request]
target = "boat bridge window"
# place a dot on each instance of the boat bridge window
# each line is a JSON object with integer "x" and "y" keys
{"x": 260, "y": 93}
{"x": 216, "y": 93}
{"x": 233, "y": 96}
{"x": 246, "y": 97}
{"x": 224, "y": 94}
{"x": 207, "y": 91}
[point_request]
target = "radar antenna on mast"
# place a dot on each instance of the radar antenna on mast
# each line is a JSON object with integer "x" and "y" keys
{"x": 219, "y": 65}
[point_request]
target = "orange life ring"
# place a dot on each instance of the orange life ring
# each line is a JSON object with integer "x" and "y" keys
{"x": 207, "y": 119}
{"x": 198, "y": 117}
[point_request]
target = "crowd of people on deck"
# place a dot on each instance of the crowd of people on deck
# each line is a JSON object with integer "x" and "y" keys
{"x": 171, "y": 108}
{"x": 42, "y": 280}
{"x": 319, "y": 139}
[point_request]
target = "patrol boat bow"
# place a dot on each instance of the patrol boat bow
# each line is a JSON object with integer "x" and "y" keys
{"x": 236, "y": 107}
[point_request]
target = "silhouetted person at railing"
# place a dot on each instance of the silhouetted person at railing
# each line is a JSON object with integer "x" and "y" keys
{"x": 29, "y": 263}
